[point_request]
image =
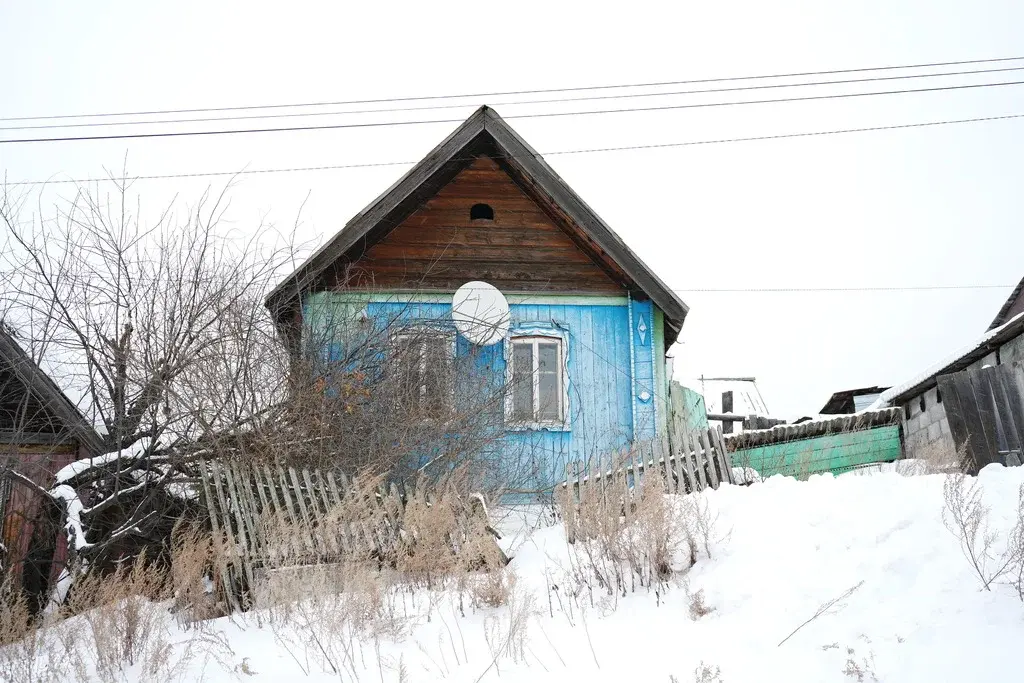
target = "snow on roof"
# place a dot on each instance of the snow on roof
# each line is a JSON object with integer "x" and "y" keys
{"x": 952, "y": 363}
{"x": 746, "y": 396}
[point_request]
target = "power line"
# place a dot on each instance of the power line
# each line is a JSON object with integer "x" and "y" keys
{"x": 514, "y": 92}
{"x": 381, "y": 124}
{"x": 671, "y": 93}
{"x": 662, "y": 145}
{"x": 800, "y": 290}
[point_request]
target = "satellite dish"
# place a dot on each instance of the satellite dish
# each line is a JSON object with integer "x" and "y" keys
{"x": 480, "y": 313}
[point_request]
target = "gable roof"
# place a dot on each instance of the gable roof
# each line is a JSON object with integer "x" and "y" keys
{"x": 14, "y": 359}
{"x": 1005, "y": 312}
{"x": 482, "y": 133}
{"x": 983, "y": 346}
{"x": 842, "y": 402}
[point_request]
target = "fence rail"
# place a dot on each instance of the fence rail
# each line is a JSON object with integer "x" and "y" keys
{"x": 686, "y": 462}
{"x": 243, "y": 497}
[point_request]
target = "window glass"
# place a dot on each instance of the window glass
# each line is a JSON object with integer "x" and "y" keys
{"x": 548, "y": 394}
{"x": 522, "y": 381}
{"x": 537, "y": 380}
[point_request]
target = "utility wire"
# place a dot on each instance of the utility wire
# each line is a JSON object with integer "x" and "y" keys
{"x": 514, "y": 92}
{"x": 466, "y": 105}
{"x": 800, "y": 290}
{"x": 381, "y": 124}
{"x": 662, "y": 145}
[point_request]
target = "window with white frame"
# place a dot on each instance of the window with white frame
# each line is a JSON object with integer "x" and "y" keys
{"x": 423, "y": 361}
{"x": 537, "y": 381}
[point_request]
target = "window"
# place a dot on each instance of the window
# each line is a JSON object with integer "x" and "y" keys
{"x": 537, "y": 381}
{"x": 424, "y": 372}
{"x": 481, "y": 212}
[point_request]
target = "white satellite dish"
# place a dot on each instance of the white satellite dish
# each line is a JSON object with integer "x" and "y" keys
{"x": 480, "y": 313}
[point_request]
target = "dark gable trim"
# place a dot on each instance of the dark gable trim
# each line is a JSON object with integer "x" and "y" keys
{"x": 482, "y": 132}
{"x": 1004, "y": 312}
{"x": 39, "y": 384}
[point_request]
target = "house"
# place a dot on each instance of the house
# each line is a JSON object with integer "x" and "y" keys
{"x": 925, "y": 403}
{"x": 41, "y": 431}
{"x": 589, "y": 322}
{"x": 851, "y": 401}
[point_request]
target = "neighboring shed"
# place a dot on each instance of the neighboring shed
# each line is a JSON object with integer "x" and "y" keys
{"x": 738, "y": 396}
{"x": 926, "y": 425}
{"x": 41, "y": 431}
{"x": 852, "y": 400}
{"x": 834, "y": 445}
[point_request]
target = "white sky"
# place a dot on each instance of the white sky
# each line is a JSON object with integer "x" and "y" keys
{"x": 935, "y": 206}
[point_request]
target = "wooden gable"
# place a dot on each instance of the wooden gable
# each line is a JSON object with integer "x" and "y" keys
{"x": 440, "y": 246}
{"x": 419, "y": 234}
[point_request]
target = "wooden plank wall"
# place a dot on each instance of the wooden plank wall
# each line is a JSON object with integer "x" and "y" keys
{"x": 522, "y": 249}
{"x": 985, "y": 411}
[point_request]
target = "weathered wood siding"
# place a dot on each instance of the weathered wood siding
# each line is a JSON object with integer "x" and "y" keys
{"x": 21, "y": 510}
{"x": 613, "y": 398}
{"x": 985, "y": 411}
{"x": 439, "y": 247}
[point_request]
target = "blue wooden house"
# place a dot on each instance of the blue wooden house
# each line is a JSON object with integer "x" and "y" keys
{"x": 590, "y": 323}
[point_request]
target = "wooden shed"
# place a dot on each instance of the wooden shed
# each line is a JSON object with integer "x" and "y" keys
{"x": 41, "y": 431}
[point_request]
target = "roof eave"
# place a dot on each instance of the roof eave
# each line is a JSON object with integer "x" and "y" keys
{"x": 1007, "y": 305}
{"x": 1013, "y": 329}
{"x": 38, "y": 382}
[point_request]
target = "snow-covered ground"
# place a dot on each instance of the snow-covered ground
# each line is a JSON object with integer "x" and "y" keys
{"x": 913, "y": 608}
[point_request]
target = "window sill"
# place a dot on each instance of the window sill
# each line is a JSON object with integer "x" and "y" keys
{"x": 538, "y": 427}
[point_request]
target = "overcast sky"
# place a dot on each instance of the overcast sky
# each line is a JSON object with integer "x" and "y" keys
{"x": 926, "y": 206}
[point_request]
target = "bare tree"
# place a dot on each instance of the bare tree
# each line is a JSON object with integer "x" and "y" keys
{"x": 158, "y": 332}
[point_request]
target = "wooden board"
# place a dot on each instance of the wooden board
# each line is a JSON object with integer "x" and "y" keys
{"x": 985, "y": 411}
{"x": 440, "y": 247}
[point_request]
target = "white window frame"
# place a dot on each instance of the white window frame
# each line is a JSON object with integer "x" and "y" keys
{"x": 562, "y": 392}
{"x": 419, "y": 333}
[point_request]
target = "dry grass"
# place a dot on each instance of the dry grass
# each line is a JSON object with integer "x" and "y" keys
{"x": 113, "y": 627}
{"x": 696, "y": 604}
{"x": 123, "y": 622}
{"x": 329, "y": 589}
{"x": 937, "y": 457}
{"x": 967, "y": 517}
{"x": 622, "y": 541}
{"x": 27, "y": 651}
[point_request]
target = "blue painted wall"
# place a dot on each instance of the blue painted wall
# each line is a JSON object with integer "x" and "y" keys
{"x": 615, "y": 367}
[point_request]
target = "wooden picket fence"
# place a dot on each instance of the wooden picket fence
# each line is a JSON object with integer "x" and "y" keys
{"x": 242, "y": 498}
{"x": 686, "y": 462}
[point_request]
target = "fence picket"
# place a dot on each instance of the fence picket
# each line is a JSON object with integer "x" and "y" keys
{"x": 693, "y": 463}
{"x": 709, "y": 458}
{"x": 723, "y": 455}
